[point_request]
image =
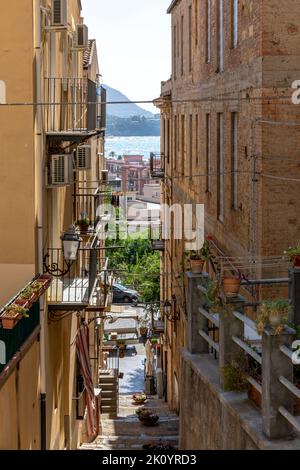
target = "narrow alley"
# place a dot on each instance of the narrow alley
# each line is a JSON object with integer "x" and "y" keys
{"x": 126, "y": 432}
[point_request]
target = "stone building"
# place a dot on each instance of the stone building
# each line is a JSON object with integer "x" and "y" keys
{"x": 230, "y": 139}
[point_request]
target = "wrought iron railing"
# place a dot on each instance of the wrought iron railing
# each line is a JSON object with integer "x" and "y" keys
{"x": 157, "y": 165}
{"x": 71, "y": 105}
{"x": 76, "y": 287}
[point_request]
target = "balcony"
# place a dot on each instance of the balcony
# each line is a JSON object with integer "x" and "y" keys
{"x": 88, "y": 205}
{"x": 87, "y": 284}
{"x": 157, "y": 242}
{"x": 156, "y": 165}
{"x": 72, "y": 110}
{"x": 23, "y": 331}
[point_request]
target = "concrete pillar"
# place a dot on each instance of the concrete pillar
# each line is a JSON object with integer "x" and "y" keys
{"x": 230, "y": 326}
{"x": 196, "y": 322}
{"x": 274, "y": 365}
{"x": 294, "y": 295}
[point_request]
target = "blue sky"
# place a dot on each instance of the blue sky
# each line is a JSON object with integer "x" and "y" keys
{"x": 134, "y": 41}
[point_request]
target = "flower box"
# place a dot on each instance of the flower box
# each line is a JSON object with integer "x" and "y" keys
{"x": 9, "y": 321}
{"x": 25, "y": 303}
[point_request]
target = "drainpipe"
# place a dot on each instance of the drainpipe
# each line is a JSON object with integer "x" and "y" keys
{"x": 39, "y": 165}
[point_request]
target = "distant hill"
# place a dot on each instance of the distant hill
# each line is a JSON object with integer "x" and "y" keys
{"x": 123, "y": 110}
{"x": 132, "y": 126}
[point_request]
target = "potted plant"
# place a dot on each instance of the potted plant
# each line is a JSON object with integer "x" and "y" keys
{"x": 231, "y": 285}
{"x": 29, "y": 294}
{"x": 294, "y": 255}
{"x": 273, "y": 313}
{"x": 148, "y": 418}
{"x": 198, "y": 258}
{"x": 11, "y": 315}
{"x": 139, "y": 398}
{"x": 83, "y": 224}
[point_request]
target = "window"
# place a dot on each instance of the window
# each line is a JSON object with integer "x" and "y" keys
{"x": 2, "y": 92}
{"x": 196, "y": 23}
{"x": 197, "y": 140}
{"x": 191, "y": 146}
{"x": 175, "y": 142}
{"x": 235, "y": 22}
{"x": 234, "y": 161}
{"x": 208, "y": 153}
{"x": 168, "y": 141}
{"x": 182, "y": 143}
{"x": 208, "y": 31}
{"x": 182, "y": 45}
{"x": 220, "y": 167}
{"x": 220, "y": 36}
{"x": 174, "y": 52}
{"x": 190, "y": 38}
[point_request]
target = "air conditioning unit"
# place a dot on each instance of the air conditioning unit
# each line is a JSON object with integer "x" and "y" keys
{"x": 104, "y": 176}
{"x": 81, "y": 39}
{"x": 60, "y": 170}
{"x": 83, "y": 157}
{"x": 59, "y": 13}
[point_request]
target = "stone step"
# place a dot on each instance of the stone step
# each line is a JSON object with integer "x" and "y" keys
{"x": 128, "y": 442}
{"x": 107, "y": 379}
{"x": 109, "y": 393}
{"x": 109, "y": 388}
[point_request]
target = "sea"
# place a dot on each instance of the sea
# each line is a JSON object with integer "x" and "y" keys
{"x": 132, "y": 146}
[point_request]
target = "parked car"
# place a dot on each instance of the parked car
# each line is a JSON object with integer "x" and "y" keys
{"x": 124, "y": 295}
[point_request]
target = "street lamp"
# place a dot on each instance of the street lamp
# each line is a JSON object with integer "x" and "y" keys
{"x": 170, "y": 310}
{"x": 70, "y": 244}
{"x": 70, "y": 247}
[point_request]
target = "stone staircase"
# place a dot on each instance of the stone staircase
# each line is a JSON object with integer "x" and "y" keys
{"x": 127, "y": 433}
{"x": 109, "y": 384}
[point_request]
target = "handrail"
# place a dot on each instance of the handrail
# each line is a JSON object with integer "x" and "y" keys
{"x": 247, "y": 349}
{"x": 209, "y": 340}
{"x": 287, "y": 351}
{"x": 255, "y": 384}
{"x": 246, "y": 320}
{"x": 295, "y": 422}
{"x": 209, "y": 317}
{"x": 290, "y": 386}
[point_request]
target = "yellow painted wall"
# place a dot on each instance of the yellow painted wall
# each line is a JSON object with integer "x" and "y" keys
{"x": 19, "y": 405}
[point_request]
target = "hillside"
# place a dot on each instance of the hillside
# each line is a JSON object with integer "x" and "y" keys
{"x": 132, "y": 126}
{"x": 123, "y": 110}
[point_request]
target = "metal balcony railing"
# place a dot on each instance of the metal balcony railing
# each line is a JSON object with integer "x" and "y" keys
{"x": 72, "y": 107}
{"x": 157, "y": 242}
{"x": 77, "y": 286}
{"x": 156, "y": 165}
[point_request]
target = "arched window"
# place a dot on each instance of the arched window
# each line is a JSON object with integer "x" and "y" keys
{"x": 2, "y": 92}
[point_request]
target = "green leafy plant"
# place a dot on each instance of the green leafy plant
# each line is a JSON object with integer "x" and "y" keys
{"x": 213, "y": 296}
{"x": 26, "y": 293}
{"x": 203, "y": 254}
{"x": 274, "y": 313}
{"x": 293, "y": 251}
{"x": 85, "y": 221}
{"x": 14, "y": 310}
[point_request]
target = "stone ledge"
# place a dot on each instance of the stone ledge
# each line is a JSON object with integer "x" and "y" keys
{"x": 236, "y": 404}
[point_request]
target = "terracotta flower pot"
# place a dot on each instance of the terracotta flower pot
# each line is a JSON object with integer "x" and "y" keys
{"x": 197, "y": 266}
{"x": 231, "y": 286}
{"x": 296, "y": 261}
{"x": 255, "y": 396}
{"x": 9, "y": 322}
{"x": 275, "y": 319}
{"x": 23, "y": 303}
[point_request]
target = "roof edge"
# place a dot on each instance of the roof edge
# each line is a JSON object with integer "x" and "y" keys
{"x": 173, "y": 4}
